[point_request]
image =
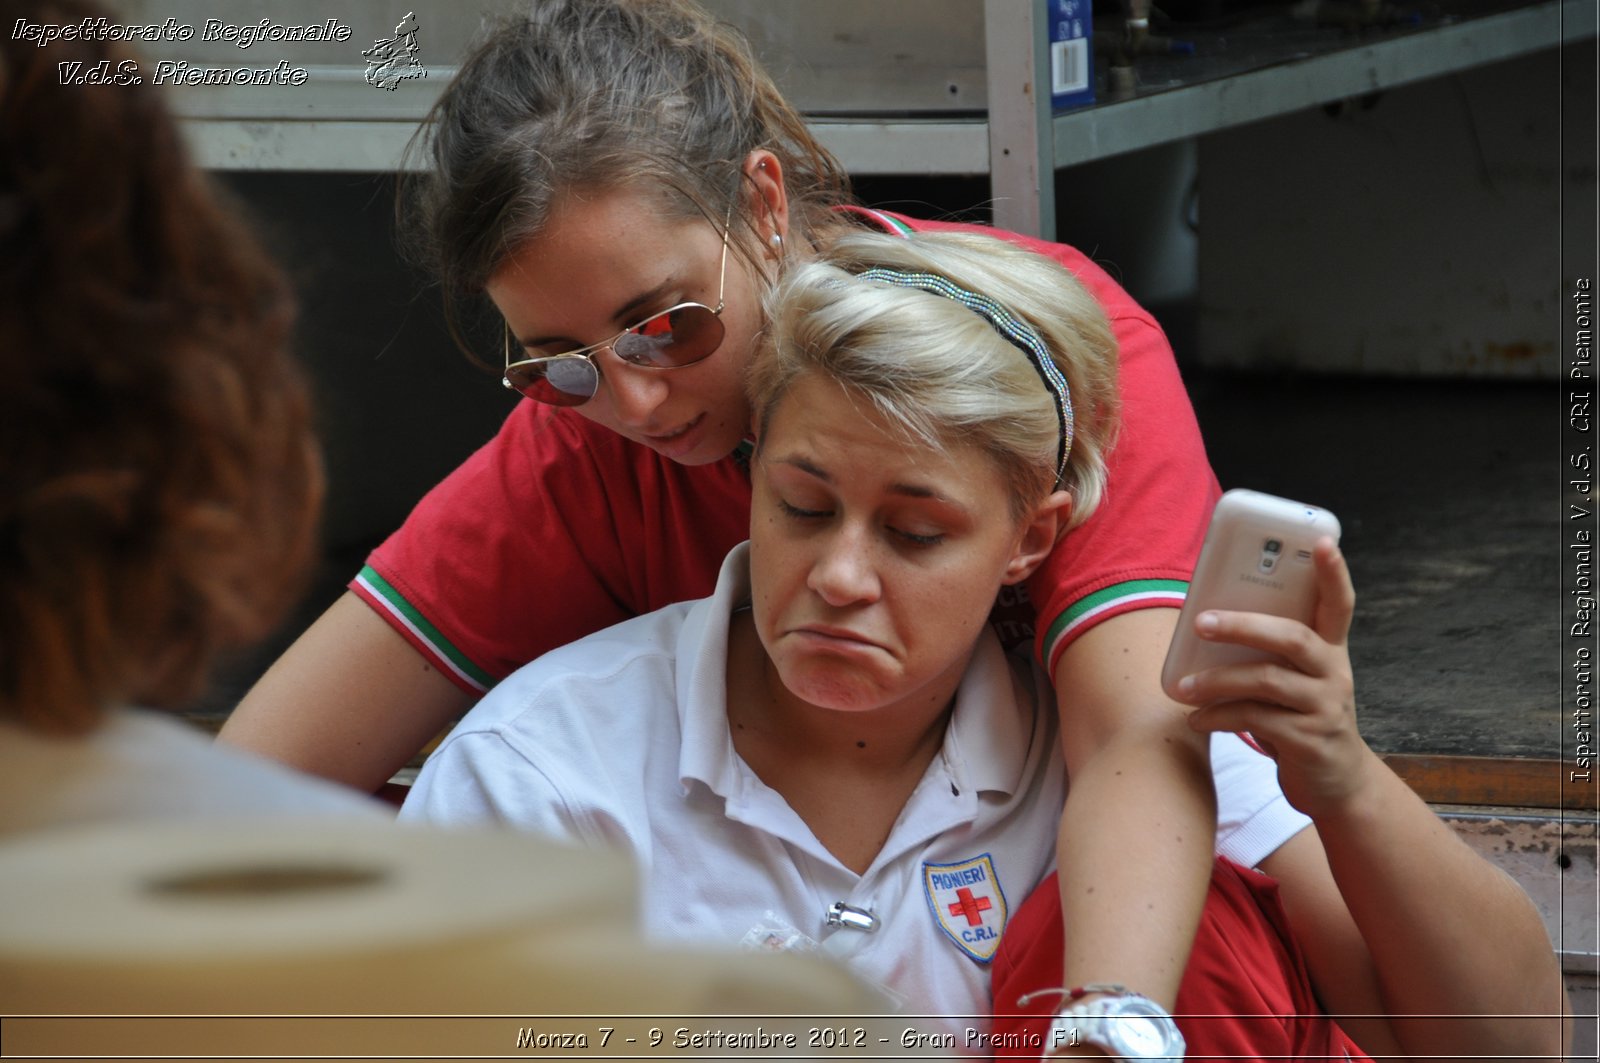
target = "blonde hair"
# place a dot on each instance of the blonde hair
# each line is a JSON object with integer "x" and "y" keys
{"x": 942, "y": 371}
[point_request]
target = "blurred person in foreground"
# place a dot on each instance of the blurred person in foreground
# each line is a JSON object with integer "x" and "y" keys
{"x": 161, "y": 479}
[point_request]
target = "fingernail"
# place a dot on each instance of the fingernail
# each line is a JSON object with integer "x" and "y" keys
{"x": 1186, "y": 686}
{"x": 1207, "y": 623}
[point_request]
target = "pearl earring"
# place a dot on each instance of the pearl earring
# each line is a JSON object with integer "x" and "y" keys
{"x": 776, "y": 240}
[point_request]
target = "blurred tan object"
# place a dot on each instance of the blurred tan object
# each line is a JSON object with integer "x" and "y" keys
{"x": 296, "y": 918}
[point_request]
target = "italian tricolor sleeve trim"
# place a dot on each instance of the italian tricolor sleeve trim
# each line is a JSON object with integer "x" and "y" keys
{"x": 1102, "y": 604}
{"x": 382, "y": 596}
{"x": 888, "y": 222}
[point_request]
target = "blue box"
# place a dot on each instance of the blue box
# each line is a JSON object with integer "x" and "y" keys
{"x": 1071, "y": 54}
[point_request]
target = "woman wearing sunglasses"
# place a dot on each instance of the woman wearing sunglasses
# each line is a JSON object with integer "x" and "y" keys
{"x": 624, "y": 184}
{"x": 838, "y": 755}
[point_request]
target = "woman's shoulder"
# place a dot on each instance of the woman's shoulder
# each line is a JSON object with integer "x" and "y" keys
{"x": 141, "y": 765}
{"x": 550, "y": 745}
{"x": 608, "y": 688}
{"x": 1112, "y": 296}
{"x": 632, "y": 682}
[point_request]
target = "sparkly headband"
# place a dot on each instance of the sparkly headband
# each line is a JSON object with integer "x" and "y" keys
{"x": 1018, "y": 332}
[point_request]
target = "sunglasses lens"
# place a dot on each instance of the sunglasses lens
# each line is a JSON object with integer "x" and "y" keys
{"x": 555, "y": 381}
{"x": 680, "y": 337}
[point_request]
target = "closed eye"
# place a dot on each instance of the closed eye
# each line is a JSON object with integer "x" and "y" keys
{"x": 918, "y": 540}
{"x": 802, "y": 514}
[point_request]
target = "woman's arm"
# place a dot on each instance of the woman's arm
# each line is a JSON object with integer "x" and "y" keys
{"x": 350, "y": 701}
{"x": 1441, "y": 931}
{"x": 553, "y": 530}
{"x": 1449, "y": 933}
{"x": 1342, "y": 968}
{"x": 1135, "y": 849}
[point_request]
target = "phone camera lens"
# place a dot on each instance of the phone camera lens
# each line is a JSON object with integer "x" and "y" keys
{"x": 1273, "y": 546}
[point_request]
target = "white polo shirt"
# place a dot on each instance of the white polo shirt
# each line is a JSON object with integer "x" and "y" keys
{"x": 621, "y": 739}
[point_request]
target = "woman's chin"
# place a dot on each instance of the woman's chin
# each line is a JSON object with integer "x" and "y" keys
{"x": 834, "y": 692}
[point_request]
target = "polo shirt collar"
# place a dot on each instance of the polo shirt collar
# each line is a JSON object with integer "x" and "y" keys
{"x": 702, "y": 680}
{"x": 985, "y": 748}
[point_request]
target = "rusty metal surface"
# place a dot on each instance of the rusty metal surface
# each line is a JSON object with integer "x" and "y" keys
{"x": 1553, "y": 859}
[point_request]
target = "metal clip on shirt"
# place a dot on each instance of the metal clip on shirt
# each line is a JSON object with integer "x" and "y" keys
{"x": 850, "y": 917}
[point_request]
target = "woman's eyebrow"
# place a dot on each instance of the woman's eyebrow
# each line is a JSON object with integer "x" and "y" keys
{"x": 908, "y": 490}
{"x": 806, "y": 466}
{"x": 627, "y": 314}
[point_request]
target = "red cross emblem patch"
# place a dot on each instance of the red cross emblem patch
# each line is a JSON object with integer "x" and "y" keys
{"x": 968, "y": 903}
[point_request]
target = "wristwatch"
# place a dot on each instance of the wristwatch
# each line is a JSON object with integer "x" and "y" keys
{"x": 1122, "y": 1023}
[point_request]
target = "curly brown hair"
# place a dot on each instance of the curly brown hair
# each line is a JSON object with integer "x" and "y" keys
{"x": 160, "y": 479}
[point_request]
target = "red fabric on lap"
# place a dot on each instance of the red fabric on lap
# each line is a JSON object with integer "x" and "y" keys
{"x": 1245, "y": 995}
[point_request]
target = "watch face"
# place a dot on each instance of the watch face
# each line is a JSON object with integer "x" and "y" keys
{"x": 1140, "y": 1028}
{"x": 1141, "y": 1035}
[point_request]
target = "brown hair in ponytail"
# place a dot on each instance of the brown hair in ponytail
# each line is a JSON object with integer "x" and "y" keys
{"x": 593, "y": 95}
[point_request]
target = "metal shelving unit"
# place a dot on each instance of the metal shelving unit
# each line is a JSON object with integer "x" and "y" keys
{"x": 1265, "y": 81}
{"x": 341, "y": 124}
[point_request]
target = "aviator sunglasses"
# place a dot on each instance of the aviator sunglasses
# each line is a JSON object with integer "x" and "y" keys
{"x": 677, "y": 336}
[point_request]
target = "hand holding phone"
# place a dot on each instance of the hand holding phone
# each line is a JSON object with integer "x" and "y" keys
{"x": 1301, "y": 709}
{"x": 1257, "y": 558}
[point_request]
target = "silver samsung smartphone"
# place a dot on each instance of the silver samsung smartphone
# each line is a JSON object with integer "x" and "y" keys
{"x": 1257, "y": 559}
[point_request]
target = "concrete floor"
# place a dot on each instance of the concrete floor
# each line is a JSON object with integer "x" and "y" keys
{"x": 1449, "y": 496}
